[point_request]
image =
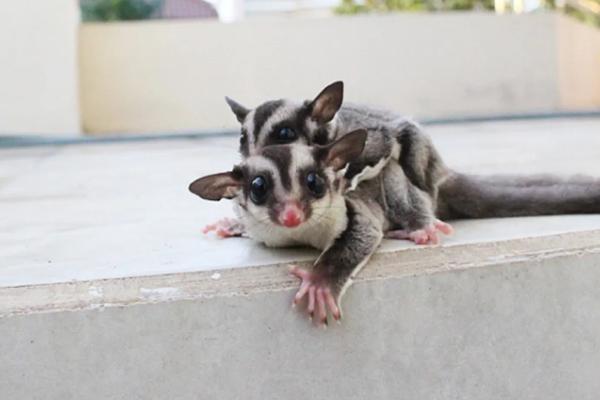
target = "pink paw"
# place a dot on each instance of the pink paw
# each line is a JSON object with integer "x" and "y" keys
{"x": 319, "y": 293}
{"x": 427, "y": 235}
{"x": 225, "y": 228}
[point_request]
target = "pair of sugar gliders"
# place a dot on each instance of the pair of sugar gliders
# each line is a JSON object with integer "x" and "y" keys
{"x": 340, "y": 177}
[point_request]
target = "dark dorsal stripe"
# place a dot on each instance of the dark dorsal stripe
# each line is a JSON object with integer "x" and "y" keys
{"x": 262, "y": 115}
{"x": 281, "y": 157}
{"x": 421, "y": 173}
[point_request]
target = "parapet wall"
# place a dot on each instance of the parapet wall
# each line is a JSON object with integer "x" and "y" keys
{"x": 509, "y": 319}
{"x": 172, "y": 76}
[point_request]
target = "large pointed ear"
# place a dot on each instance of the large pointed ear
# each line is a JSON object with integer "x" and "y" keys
{"x": 327, "y": 103}
{"x": 218, "y": 186}
{"x": 239, "y": 110}
{"x": 345, "y": 149}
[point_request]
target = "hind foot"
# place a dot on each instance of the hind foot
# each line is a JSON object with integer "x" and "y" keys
{"x": 427, "y": 235}
{"x": 225, "y": 228}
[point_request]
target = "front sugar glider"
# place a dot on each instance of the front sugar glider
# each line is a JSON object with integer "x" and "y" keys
{"x": 390, "y": 137}
{"x": 294, "y": 194}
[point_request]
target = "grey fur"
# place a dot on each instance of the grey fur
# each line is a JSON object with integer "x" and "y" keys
{"x": 239, "y": 110}
{"x": 467, "y": 196}
{"x": 262, "y": 113}
{"x": 407, "y": 206}
{"x": 353, "y": 248}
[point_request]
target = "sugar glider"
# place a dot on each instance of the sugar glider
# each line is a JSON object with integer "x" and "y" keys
{"x": 295, "y": 194}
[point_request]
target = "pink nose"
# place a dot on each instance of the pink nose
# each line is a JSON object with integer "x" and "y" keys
{"x": 291, "y": 216}
{"x": 291, "y": 219}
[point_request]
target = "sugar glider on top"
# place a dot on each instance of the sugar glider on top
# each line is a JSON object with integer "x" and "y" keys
{"x": 297, "y": 194}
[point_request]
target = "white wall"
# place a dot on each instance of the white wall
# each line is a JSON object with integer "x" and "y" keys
{"x": 38, "y": 67}
{"x": 160, "y": 76}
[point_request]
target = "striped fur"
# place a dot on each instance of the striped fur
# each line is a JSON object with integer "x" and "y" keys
{"x": 427, "y": 185}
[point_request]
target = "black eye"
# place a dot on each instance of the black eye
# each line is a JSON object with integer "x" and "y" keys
{"x": 258, "y": 190}
{"x": 315, "y": 184}
{"x": 286, "y": 135}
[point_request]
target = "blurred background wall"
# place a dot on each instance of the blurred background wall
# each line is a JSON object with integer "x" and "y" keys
{"x": 146, "y": 66}
{"x": 173, "y": 76}
{"x": 38, "y": 67}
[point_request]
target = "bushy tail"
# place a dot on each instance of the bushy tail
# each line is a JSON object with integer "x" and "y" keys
{"x": 471, "y": 196}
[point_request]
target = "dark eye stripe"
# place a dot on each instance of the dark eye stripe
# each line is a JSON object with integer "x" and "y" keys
{"x": 281, "y": 157}
{"x": 262, "y": 115}
{"x": 296, "y": 121}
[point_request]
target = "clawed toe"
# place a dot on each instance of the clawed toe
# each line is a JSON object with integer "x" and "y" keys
{"x": 320, "y": 297}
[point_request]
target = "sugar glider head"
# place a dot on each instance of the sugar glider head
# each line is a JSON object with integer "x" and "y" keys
{"x": 288, "y": 186}
{"x": 279, "y": 122}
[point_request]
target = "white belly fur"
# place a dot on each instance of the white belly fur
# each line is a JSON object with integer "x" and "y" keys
{"x": 319, "y": 231}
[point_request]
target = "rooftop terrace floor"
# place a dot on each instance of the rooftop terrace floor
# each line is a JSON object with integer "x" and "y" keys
{"x": 89, "y": 212}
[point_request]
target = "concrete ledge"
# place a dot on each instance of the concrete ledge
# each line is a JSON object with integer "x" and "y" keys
{"x": 417, "y": 326}
{"x": 414, "y": 261}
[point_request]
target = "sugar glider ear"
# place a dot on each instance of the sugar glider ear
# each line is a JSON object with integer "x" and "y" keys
{"x": 239, "y": 110}
{"x": 345, "y": 149}
{"x": 327, "y": 103}
{"x": 218, "y": 186}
